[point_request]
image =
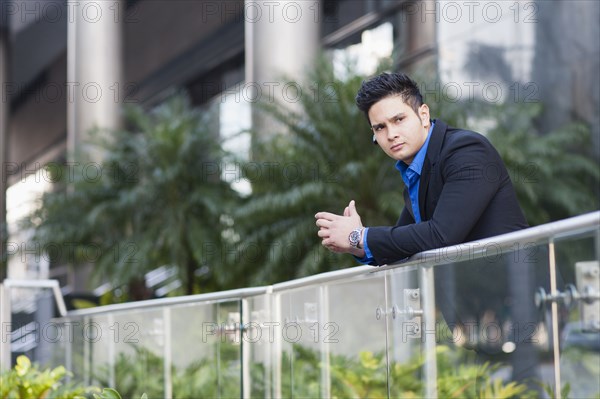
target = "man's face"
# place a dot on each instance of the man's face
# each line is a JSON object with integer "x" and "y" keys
{"x": 399, "y": 131}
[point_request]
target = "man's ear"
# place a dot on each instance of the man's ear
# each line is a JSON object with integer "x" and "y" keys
{"x": 424, "y": 115}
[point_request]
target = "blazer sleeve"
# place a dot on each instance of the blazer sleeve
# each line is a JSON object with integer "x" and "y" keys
{"x": 465, "y": 195}
{"x": 405, "y": 217}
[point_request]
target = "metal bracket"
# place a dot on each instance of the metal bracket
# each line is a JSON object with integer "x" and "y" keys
{"x": 587, "y": 277}
{"x": 567, "y": 298}
{"x": 311, "y": 315}
{"x": 586, "y": 294}
{"x": 411, "y": 312}
{"x": 232, "y": 329}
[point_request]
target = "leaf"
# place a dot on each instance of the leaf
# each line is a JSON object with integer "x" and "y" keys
{"x": 23, "y": 365}
{"x": 109, "y": 393}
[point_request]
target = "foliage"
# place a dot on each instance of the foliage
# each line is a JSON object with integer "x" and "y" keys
{"x": 142, "y": 371}
{"x": 564, "y": 392}
{"x": 161, "y": 200}
{"x": 109, "y": 393}
{"x": 554, "y": 173}
{"x": 324, "y": 158}
{"x": 366, "y": 377}
{"x": 474, "y": 381}
{"x": 580, "y": 364}
{"x": 158, "y": 200}
{"x": 361, "y": 376}
{"x": 27, "y": 381}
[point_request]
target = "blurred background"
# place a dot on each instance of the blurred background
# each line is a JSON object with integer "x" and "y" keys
{"x": 154, "y": 148}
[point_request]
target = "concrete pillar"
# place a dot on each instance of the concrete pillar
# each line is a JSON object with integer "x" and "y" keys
{"x": 4, "y": 108}
{"x": 282, "y": 40}
{"x": 420, "y": 48}
{"x": 94, "y": 70}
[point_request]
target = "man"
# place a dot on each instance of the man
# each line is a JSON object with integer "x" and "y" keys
{"x": 457, "y": 187}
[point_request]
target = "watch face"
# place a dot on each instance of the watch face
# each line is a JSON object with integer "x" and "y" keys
{"x": 354, "y": 238}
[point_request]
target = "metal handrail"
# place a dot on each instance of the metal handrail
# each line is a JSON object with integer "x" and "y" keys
{"x": 459, "y": 252}
{"x": 52, "y": 284}
{"x": 555, "y": 230}
{"x": 211, "y": 297}
{"x": 6, "y": 312}
{"x": 479, "y": 248}
{"x": 424, "y": 262}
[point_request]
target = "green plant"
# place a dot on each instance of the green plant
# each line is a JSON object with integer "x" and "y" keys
{"x": 139, "y": 372}
{"x": 361, "y": 377}
{"x": 324, "y": 159}
{"x": 158, "y": 200}
{"x": 26, "y": 381}
{"x": 142, "y": 371}
{"x": 564, "y": 392}
{"x": 475, "y": 381}
{"x": 580, "y": 367}
{"x": 365, "y": 376}
{"x": 109, "y": 393}
{"x": 554, "y": 172}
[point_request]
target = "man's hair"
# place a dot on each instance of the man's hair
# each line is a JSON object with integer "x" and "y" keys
{"x": 388, "y": 84}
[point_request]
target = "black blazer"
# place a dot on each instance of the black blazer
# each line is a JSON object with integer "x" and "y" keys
{"x": 465, "y": 194}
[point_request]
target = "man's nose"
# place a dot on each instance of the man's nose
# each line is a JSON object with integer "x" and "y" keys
{"x": 392, "y": 132}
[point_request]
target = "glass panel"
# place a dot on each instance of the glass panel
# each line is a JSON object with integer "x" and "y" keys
{"x": 404, "y": 337}
{"x": 229, "y": 359}
{"x": 74, "y": 332}
{"x": 205, "y": 345}
{"x": 126, "y": 352}
{"x": 100, "y": 340}
{"x": 301, "y": 354}
{"x": 578, "y": 275}
{"x": 354, "y": 335}
{"x": 489, "y": 331}
{"x": 61, "y": 340}
{"x": 197, "y": 324}
{"x": 32, "y": 333}
{"x": 258, "y": 341}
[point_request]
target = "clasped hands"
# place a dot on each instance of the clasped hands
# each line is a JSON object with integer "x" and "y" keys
{"x": 335, "y": 229}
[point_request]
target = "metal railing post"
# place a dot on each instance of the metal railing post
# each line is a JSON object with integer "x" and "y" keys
{"x": 5, "y": 328}
{"x": 168, "y": 352}
{"x": 427, "y": 285}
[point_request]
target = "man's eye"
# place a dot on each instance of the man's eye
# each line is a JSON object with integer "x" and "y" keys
{"x": 399, "y": 119}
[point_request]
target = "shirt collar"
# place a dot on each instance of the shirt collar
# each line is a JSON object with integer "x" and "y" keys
{"x": 417, "y": 163}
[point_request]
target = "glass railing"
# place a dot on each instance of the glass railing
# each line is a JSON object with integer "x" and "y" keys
{"x": 26, "y": 308}
{"x": 516, "y": 315}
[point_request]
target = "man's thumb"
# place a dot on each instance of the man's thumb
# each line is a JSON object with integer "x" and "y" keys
{"x": 352, "y": 208}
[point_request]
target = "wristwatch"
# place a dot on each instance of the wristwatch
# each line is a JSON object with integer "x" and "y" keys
{"x": 354, "y": 237}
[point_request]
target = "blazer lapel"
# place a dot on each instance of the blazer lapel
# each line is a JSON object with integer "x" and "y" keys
{"x": 433, "y": 154}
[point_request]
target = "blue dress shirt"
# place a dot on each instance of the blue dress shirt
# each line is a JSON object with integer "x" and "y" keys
{"x": 411, "y": 175}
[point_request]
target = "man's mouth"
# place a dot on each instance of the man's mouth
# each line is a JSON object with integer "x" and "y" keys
{"x": 396, "y": 147}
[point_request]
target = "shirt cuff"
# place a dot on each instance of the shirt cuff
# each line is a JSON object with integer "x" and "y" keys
{"x": 368, "y": 258}
{"x": 368, "y": 253}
